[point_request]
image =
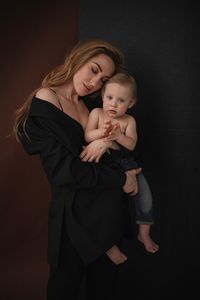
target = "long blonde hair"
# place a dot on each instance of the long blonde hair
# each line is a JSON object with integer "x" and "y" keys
{"x": 78, "y": 56}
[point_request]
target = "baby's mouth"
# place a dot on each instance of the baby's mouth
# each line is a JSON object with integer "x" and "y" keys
{"x": 111, "y": 111}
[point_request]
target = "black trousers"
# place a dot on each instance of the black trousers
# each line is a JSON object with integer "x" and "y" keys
{"x": 72, "y": 280}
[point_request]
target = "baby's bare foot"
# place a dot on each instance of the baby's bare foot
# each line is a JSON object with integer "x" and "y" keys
{"x": 116, "y": 255}
{"x": 149, "y": 244}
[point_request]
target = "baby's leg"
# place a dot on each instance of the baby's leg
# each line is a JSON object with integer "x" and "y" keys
{"x": 116, "y": 255}
{"x": 144, "y": 212}
{"x": 145, "y": 238}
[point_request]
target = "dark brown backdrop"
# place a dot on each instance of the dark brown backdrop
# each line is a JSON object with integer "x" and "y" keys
{"x": 34, "y": 39}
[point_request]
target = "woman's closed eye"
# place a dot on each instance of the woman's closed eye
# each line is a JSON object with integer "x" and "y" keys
{"x": 103, "y": 80}
{"x": 94, "y": 70}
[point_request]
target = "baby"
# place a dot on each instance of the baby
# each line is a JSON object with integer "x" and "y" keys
{"x": 114, "y": 124}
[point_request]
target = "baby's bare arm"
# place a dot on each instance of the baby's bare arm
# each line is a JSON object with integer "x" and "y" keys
{"x": 92, "y": 132}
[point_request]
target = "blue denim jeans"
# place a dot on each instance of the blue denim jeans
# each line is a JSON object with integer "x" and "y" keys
{"x": 143, "y": 199}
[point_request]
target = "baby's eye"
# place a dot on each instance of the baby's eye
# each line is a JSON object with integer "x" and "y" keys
{"x": 121, "y": 100}
{"x": 109, "y": 97}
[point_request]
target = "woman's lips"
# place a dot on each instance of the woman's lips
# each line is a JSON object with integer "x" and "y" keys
{"x": 87, "y": 88}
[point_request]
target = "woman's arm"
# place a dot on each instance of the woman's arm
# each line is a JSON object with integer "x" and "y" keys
{"x": 96, "y": 149}
{"x": 64, "y": 168}
{"x": 61, "y": 165}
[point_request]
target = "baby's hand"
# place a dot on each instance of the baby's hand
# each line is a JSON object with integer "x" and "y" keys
{"x": 107, "y": 128}
{"x": 115, "y": 133}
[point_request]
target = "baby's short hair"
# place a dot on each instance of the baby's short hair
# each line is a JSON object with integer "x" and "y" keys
{"x": 123, "y": 78}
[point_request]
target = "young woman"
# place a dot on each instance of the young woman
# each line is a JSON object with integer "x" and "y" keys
{"x": 88, "y": 212}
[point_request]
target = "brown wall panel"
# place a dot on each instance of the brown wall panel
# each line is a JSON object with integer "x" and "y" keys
{"x": 34, "y": 39}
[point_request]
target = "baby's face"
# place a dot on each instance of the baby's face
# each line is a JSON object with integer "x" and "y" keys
{"x": 117, "y": 99}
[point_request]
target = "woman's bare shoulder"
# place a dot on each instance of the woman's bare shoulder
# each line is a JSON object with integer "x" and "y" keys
{"x": 46, "y": 94}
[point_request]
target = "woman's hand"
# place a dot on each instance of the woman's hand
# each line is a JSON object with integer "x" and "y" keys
{"x": 131, "y": 185}
{"x": 94, "y": 150}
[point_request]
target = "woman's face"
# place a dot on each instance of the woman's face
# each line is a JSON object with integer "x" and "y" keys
{"x": 92, "y": 75}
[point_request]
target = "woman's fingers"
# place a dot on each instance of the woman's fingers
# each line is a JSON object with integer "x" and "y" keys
{"x": 94, "y": 151}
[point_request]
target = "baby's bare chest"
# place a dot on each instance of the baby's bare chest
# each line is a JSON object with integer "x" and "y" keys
{"x": 122, "y": 122}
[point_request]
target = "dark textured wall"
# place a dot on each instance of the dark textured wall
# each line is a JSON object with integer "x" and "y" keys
{"x": 34, "y": 39}
{"x": 162, "y": 48}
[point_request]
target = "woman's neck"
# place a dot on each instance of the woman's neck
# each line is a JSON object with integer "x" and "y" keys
{"x": 67, "y": 92}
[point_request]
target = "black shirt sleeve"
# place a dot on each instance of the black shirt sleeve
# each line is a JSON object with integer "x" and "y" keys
{"x": 63, "y": 167}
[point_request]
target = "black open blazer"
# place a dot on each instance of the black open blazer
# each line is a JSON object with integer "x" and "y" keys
{"x": 89, "y": 195}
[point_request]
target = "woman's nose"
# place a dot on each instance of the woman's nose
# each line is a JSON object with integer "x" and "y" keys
{"x": 91, "y": 83}
{"x": 95, "y": 82}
